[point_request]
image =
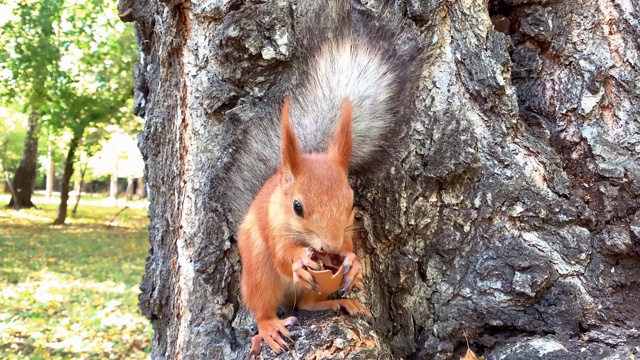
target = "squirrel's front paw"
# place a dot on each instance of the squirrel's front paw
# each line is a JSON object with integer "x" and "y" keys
{"x": 301, "y": 275}
{"x": 352, "y": 272}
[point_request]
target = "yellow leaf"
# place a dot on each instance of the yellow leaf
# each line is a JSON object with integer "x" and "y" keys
{"x": 470, "y": 355}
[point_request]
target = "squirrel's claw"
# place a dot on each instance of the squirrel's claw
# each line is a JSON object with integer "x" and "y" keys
{"x": 256, "y": 343}
{"x": 272, "y": 331}
{"x": 348, "y": 258}
{"x": 308, "y": 262}
{"x": 353, "y": 272}
{"x": 354, "y": 308}
{"x": 302, "y": 277}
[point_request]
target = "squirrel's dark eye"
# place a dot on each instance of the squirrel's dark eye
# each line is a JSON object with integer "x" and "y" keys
{"x": 297, "y": 208}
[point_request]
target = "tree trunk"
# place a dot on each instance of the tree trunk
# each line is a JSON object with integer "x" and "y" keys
{"x": 7, "y": 183}
{"x": 113, "y": 187}
{"x": 76, "y": 186}
{"x": 130, "y": 185}
{"x": 66, "y": 179}
{"x": 83, "y": 171}
{"x": 50, "y": 171}
{"x": 141, "y": 190}
{"x": 513, "y": 216}
{"x": 26, "y": 174}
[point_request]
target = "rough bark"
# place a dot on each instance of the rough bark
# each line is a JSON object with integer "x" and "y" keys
{"x": 65, "y": 185}
{"x": 25, "y": 175}
{"x": 512, "y": 215}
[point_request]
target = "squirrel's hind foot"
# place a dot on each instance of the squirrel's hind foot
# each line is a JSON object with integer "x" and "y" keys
{"x": 352, "y": 306}
{"x": 272, "y": 331}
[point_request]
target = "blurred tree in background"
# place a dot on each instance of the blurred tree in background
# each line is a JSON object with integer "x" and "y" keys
{"x": 29, "y": 59}
{"x": 13, "y": 128}
{"x": 68, "y": 65}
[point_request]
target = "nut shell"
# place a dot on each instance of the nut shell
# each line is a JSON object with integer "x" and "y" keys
{"x": 327, "y": 281}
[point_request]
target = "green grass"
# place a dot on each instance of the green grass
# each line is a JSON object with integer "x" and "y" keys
{"x": 71, "y": 291}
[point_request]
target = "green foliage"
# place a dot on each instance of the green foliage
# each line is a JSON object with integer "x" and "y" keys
{"x": 98, "y": 62}
{"x": 12, "y": 133}
{"x": 71, "y": 61}
{"x": 71, "y": 292}
{"x": 31, "y": 54}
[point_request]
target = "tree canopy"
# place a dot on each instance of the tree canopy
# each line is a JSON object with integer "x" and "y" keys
{"x": 30, "y": 53}
{"x": 70, "y": 61}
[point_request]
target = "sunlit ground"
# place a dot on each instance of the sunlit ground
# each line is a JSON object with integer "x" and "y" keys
{"x": 71, "y": 291}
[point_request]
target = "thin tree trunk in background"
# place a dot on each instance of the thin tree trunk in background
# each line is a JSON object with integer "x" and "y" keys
{"x": 76, "y": 186}
{"x": 7, "y": 174}
{"x": 7, "y": 180}
{"x": 511, "y": 216}
{"x": 129, "y": 192}
{"x": 113, "y": 187}
{"x": 141, "y": 191}
{"x": 26, "y": 173}
{"x": 50, "y": 171}
{"x": 66, "y": 179}
{"x": 83, "y": 170}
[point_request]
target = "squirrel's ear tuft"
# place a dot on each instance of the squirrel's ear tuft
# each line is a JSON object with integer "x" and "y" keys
{"x": 290, "y": 155}
{"x": 342, "y": 143}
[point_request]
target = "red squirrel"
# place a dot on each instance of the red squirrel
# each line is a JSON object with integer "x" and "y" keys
{"x": 340, "y": 120}
{"x": 306, "y": 206}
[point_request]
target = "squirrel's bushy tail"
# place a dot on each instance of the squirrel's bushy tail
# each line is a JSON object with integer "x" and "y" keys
{"x": 341, "y": 52}
{"x": 348, "y": 54}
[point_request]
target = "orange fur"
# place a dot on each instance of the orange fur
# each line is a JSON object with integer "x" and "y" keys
{"x": 274, "y": 241}
{"x": 290, "y": 151}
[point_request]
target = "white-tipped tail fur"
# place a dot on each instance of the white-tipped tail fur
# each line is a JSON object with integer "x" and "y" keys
{"x": 353, "y": 68}
{"x": 341, "y": 52}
